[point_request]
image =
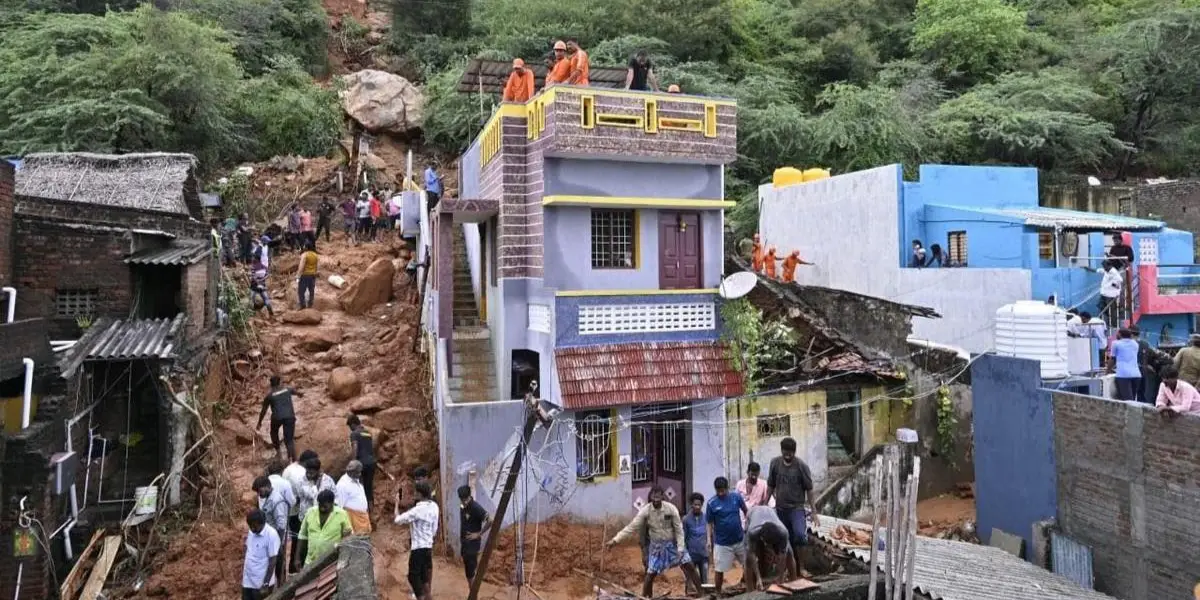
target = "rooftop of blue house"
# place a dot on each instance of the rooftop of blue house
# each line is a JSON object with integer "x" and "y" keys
{"x": 996, "y": 246}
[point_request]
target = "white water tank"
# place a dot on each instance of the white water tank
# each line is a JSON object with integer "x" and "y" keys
{"x": 1034, "y": 330}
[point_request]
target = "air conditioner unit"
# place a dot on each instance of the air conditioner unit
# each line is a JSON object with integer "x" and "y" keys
{"x": 65, "y": 464}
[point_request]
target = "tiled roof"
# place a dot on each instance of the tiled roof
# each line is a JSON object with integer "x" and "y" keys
{"x": 323, "y": 587}
{"x": 642, "y": 373}
{"x": 954, "y": 570}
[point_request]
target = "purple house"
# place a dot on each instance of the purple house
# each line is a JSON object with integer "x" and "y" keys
{"x": 584, "y": 254}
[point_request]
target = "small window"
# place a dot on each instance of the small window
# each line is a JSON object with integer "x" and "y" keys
{"x": 75, "y": 303}
{"x": 1046, "y": 246}
{"x": 774, "y": 426}
{"x": 614, "y": 238}
{"x": 956, "y": 242}
{"x": 1125, "y": 206}
{"x": 595, "y": 439}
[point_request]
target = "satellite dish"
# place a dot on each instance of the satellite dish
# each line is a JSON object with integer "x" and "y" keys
{"x": 737, "y": 285}
{"x": 1092, "y": 181}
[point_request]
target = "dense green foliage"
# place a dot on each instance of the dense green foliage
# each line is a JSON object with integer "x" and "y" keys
{"x": 146, "y": 80}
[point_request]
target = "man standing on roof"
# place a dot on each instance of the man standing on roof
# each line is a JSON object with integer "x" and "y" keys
{"x": 520, "y": 83}
{"x": 579, "y": 63}
{"x": 560, "y": 71}
{"x": 640, "y": 75}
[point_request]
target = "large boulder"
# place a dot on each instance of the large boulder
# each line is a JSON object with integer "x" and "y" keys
{"x": 383, "y": 102}
{"x": 374, "y": 287}
{"x": 395, "y": 418}
{"x": 320, "y": 340}
{"x": 368, "y": 403}
{"x": 307, "y": 316}
{"x": 344, "y": 384}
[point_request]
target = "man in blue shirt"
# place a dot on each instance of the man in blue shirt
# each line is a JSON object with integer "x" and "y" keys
{"x": 695, "y": 535}
{"x": 725, "y": 511}
{"x": 1124, "y": 354}
{"x": 433, "y": 186}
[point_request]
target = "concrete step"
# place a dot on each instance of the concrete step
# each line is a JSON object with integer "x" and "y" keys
{"x": 464, "y": 321}
{"x": 462, "y": 334}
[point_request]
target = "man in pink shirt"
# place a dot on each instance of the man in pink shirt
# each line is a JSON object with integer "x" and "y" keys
{"x": 1175, "y": 396}
{"x": 752, "y": 489}
{"x": 307, "y": 234}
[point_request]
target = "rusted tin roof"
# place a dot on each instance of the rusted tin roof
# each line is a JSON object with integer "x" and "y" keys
{"x": 177, "y": 253}
{"x": 642, "y": 373}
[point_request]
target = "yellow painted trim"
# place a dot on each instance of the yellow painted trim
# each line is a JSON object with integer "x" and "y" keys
{"x": 611, "y": 120}
{"x": 492, "y": 137}
{"x": 673, "y": 124}
{"x": 651, "y": 115}
{"x": 549, "y": 94}
{"x": 630, "y": 202}
{"x": 587, "y": 111}
{"x": 710, "y": 119}
{"x": 583, "y": 293}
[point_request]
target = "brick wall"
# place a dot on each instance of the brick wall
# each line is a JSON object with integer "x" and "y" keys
{"x": 58, "y": 255}
{"x": 1177, "y": 203}
{"x": 196, "y": 298}
{"x": 123, "y": 218}
{"x": 1128, "y": 486}
{"x": 29, "y": 338}
{"x": 6, "y": 224}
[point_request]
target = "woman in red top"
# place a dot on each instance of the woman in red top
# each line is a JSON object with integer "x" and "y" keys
{"x": 376, "y": 214}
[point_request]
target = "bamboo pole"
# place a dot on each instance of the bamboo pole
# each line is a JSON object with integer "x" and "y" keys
{"x": 902, "y": 551}
{"x": 912, "y": 559}
{"x": 876, "y": 497}
{"x": 890, "y": 548}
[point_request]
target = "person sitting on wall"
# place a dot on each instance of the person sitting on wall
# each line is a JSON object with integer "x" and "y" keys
{"x": 917, "y": 260}
{"x": 520, "y": 83}
{"x": 1176, "y": 397}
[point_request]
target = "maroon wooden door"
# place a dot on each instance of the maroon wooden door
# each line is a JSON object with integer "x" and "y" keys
{"x": 679, "y": 253}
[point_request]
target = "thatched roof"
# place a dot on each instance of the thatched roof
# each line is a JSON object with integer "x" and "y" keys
{"x": 151, "y": 181}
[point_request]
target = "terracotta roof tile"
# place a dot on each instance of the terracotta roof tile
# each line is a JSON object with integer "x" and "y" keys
{"x": 642, "y": 373}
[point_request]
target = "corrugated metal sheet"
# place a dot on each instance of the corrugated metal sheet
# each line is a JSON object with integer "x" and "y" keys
{"x": 640, "y": 373}
{"x": 132, "y": 339}
{"x": 493, "y": 74}
{"x": 953, "y": 570}
{"x": 1071, "y": 559}
{"x": 1075, "y": 220}
{"x": 177, "y": 253}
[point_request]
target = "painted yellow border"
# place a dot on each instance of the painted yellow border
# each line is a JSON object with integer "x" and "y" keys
{"x": 673, "y": 124}
{"x": 632, "y": 202}
{"x": 549, "y": 94}
{"x": 583, "y": 293}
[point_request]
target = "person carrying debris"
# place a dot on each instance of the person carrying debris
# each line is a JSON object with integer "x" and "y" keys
{"x": 350, "y": 495}
{"x": 307, "y": 276}
{"x": 560, "y": 71}
{"x": 323, "y": 526}
{"x": 768, "y": 548}
{"x": 667, "y": 548}
{"x": 519, "y": 87}
{"x": 283, "y": 416}
{"x": 579, "y": 63}
{"x": 423, "y": 518}
{"x": 475, "y": 519}
{"x": 789, "y": 482}
{"x": 262, "y": 550}
{"x": 275, "y": 502}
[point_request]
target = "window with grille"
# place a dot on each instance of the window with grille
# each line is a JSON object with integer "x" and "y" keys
{"x": 956, "y": 247}
{"x": 594, "y": 437}
{"x": 614, "y": 237}
{"x": 774, "y": 426}
{"x": 1046, "y": 246}
{"x": 75, "y": 303}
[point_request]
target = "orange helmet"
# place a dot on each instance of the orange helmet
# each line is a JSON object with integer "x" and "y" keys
{"x": 673, "y": 89}
{"x": 560, "y": 45}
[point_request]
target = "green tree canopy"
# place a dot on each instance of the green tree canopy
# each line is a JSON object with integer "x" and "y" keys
{"x": 973, "y": 37}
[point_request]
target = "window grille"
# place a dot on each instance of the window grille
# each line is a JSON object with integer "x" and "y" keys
{"x": 641, "y": 453}
{"x": 774, "y": 426}
{"x": 647, "y": 318}
{"x": 669, "y": 451}
{"x": 1148, "y": 251}
{"x": 613, "y": 239}
{"x": 956, "y": 243}
{"x": 1046, "y": 246}
{"x": 539, "y": 318}
{"x": 593, "y": 444}
{"x": 75, "y": 303}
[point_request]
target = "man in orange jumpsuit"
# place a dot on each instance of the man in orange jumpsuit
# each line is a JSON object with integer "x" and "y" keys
{"x": 579, "y": 63}
{"x": 756, "y": 254}
{"x": 769, "y": 263}
{"x": 520, "y": 83}
{"x": 561, "y": 70}
{"x": 789, "y": 266}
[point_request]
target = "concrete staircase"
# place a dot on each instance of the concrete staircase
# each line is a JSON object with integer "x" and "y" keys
{"x": 473, "y": 367}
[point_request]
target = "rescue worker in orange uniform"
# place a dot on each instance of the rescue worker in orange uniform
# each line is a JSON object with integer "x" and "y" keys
{"x": 789, "y": 266}
{"x": 520, "y": 83}
{"x": 579, "y": 63}
{"x": 673, "y": 89}
{"x": 769, "y": 263}
{"x": 756, "y": 254}
{"x": 561, "y": 69}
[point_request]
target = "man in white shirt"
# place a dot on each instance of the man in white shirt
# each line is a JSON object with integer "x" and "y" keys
{"x": 1110, "y": 288}
{"x": 262, "y": 552}
{"x": 1085, "y": 326}
{"x": 423, "y": 521}
{"x": 273, "y": 501}
{"x": 352, "y": 496}
{"x": 294, "y": 475}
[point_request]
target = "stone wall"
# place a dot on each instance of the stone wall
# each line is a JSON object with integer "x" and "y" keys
{"x": 1177, "y": 203}
{"x": 6, "y": 224}
{"x": 1128, "y": 486}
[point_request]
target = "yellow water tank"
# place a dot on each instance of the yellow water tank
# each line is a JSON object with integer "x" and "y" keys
{"x": 787, "y": 176}
{"x": 815, "y": 174}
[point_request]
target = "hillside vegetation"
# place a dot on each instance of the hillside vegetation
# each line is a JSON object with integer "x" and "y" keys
{"x": 1073, "y": 86}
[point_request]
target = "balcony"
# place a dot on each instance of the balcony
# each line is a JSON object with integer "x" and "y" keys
{"x": 1168, "y": 289}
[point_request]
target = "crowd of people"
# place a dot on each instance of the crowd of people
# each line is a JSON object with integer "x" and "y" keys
{"x": 760, "y": 525}
{"x": 569, "y": 64}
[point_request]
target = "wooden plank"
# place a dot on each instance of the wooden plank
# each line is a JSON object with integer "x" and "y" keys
{"x": 800, "y": 585}
{"x": 95, "y": 583}
{"x": 70, "y": 586}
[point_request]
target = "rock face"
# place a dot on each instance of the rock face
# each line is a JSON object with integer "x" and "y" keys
{"x": 383, "y": 102}
{"x": 375, "y": 287}
{"x": 307, "y": 316}
{"x": 344, "y": 384}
